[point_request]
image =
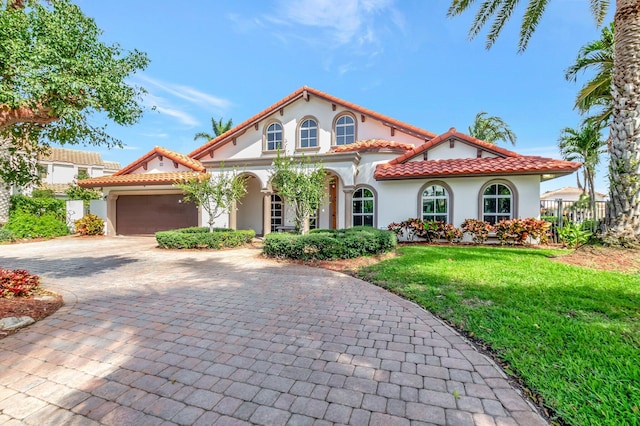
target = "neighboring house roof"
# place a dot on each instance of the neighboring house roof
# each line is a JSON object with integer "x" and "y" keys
{"x": 72, "y": 156}
{"x": 112, "y": 165}
{"x": 304, "y": 93}
{"x": 373, "y": 144}
{"x": 505, "y": 162}
{"x": 568, "y": 192}
{"x": 141, "y": 179}
{"x": 57, "y": 188}
{"x": 158, "y": 151}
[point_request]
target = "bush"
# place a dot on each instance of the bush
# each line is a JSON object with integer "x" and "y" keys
{"x": 517, "y": 231}
{"x": 478, "y": 229}
{"x": 38, "y": 206}
{"x": 572, "y": 235}
{"x": 201, "y": 238}
{"x": 17, "y": 283}
{"x": 89, "y": 224}
{"x": 6, "y": 235}
{"x": 28, "y": 225}
{"x": 43, "y": 193}
{"x": 322, "y": 244}
{"x": 429, "y": 230}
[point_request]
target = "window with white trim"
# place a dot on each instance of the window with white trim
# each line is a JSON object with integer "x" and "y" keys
{"x": 497, "y": 203}
{"x": 309, "y": 133}
{"x": 435, "y": 203}
{"x": 274, "y": 136}
{"x": 276, "y": 212}
{"x": 345, "y": 130}
{"x": 363, "y": 207}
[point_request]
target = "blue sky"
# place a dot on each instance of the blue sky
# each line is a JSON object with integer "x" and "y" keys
{"x": 405, "y": 59}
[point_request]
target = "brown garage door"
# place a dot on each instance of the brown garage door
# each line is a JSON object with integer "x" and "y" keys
{"x": 147, "y": 214}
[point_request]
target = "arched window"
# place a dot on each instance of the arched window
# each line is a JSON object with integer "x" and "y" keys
{"x": 435, "y": 203}
{"x": 276, "y": 212}
{"x": 345, "y": 130}
{"x": 274, "y": 136}
{"x": 497, "y": 203}
{"x": 309, "y": 133}
{"x": 363, "y": 207}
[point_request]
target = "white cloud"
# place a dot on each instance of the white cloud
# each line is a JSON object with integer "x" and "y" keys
{"x": 164, "y": 106}
{"x": 188, "y": 93}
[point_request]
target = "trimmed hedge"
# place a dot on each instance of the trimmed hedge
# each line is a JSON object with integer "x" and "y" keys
{"x": 324, "y": 244}
{"x": 201, "y": 238}
{"x": 6, "y": 235}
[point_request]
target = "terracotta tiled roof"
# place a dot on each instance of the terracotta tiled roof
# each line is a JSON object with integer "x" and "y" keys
{"x": 302, "y": 93}
{"x": 162, "y": 152}
{"x": 140, "y": 179}
{"x": 453, "y": 133}
{"x": 373, "y": 144}
{"x": 72, "y": 156}
{"x": 568, "y": 191}
{"x": 57, "y": 188}
{"x": 474, "y": 167}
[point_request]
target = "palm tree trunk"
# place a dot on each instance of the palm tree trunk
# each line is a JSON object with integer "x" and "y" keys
{"x": 624, "y": 169}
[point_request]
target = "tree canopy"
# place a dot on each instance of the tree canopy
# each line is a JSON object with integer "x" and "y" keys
{"x": 218, "y": 127}
{"x": 57, "y": 79}
{"x": 492, "y": 129}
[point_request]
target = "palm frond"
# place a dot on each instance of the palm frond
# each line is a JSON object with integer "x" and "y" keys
{"x": 487, "y": 10}
{"x": 532, "y": 15}
{"x": 502, "y": 16}
{"x": 599, "y": 9}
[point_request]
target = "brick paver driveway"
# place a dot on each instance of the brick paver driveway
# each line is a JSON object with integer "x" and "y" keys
{"x": 163, "y": 337}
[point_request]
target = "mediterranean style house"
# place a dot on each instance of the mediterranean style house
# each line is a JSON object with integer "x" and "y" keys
{"x": 379, "y": 170}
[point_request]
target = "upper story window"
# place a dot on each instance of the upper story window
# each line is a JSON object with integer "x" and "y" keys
{"x": 345, "y": 130}
{"x": 309, "y": 133}
{"x": 274, "y": 137}
{"x": 497, "y": 203}
{"x": 435, "y": 203}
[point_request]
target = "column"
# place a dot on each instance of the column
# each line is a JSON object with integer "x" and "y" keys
{"x": 233, "y": 214}
{"x": 348, "y": 205}
{"x": 111, "y": 215}
{"x": 266, "y": 216}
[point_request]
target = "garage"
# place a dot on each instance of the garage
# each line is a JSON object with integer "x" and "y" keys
{"x": 148, "y": 214}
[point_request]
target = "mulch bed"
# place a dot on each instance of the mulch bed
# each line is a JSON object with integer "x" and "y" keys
{"x": 29, "y": 306}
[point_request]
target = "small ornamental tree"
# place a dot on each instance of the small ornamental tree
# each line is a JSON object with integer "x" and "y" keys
{"x": 302, "y": 184}
{"x": 216, "y": 194}
{"x": 75, "y": 192}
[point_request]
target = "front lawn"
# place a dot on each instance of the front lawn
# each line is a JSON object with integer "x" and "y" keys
{"x": 571, "y": 334}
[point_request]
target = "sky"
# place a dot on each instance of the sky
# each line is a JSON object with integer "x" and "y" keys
{"x": 402, "y": 58}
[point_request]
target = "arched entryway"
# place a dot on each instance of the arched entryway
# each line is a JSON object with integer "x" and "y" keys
{"x": 249, "y": 208}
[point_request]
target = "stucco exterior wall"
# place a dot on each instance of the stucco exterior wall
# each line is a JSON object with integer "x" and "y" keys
{"x": 155, "y": 165}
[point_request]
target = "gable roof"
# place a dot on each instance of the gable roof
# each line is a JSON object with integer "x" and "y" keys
{"x": 141, "y": 179}
{"x": 158, "y": 151}
{"x": 373, "y": 144}
{"x": 453, "y": 133}
{"x": 112, "y": 165}
{"x": 72, "y": 156}
{"x": 304, "y": 93}
{"x": 568, "y": 191}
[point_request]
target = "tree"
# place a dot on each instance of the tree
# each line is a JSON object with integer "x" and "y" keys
{"x": 624, "y": 165}
{"x": 216, "y": 194}
{"x": 56, "y": 76}
{"x": 585, "y": 145}
{"x": 75, "y": 192}
{"x": 218, "y": 127}
{"x": 491, "y": 129}
{"x": 595, "y": 93}
{"x": 302, "y": 184}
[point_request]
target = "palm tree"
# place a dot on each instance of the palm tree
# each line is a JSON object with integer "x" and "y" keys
{"x": 597, "y": 55}
{"x": 491, "y": 129}
{"x": 218, "y": 129}
{"x": 585, "y": 145}
{"x": 624, "y": 166}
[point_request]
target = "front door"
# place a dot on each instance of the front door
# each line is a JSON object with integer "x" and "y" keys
{"x": 276, "y": 212}
{"x": 333, "y": 203}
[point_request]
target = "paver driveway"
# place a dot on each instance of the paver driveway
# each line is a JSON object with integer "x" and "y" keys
{"x": 163, "y": 337}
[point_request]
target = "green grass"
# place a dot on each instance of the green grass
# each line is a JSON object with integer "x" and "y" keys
{"x": 571, "y": 334}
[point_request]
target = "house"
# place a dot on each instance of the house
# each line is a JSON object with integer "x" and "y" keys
{"x": 569, "y": 193}
{"x": 568, "y": 196}
{"x": 60, "y": 167}
{"x": 380, "y": 170}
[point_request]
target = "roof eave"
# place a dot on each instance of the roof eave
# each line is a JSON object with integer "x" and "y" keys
{"x": 555, "y": 173}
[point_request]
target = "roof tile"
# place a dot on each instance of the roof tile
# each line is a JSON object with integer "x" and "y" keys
{"x": 474, "y": 167}
{"x": 140, "y": 179}
{"x": 72, "y": 156}
{"x": 160, "y": 151}
{"x": 373, "y": 144}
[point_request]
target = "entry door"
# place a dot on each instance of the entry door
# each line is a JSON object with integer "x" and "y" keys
{"x": 333, "y": 203}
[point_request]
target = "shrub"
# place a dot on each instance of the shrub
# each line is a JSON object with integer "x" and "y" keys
{"x": 43, "y": 193}
{"x": 572, "y": 236}
{"x": 17, "y": 283}
{"x": 6, "y": 235}
{"x": 478, "y": 229}
{"x": 28, "y": 225}
{"x": 429, "y": 230}
{"x": 330, "y": 244}
{"x": 38, "y": 206}
{"x": 517, "y": 231}
{"x": 89, "y": 224}
{"x": 201, "y": 238}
